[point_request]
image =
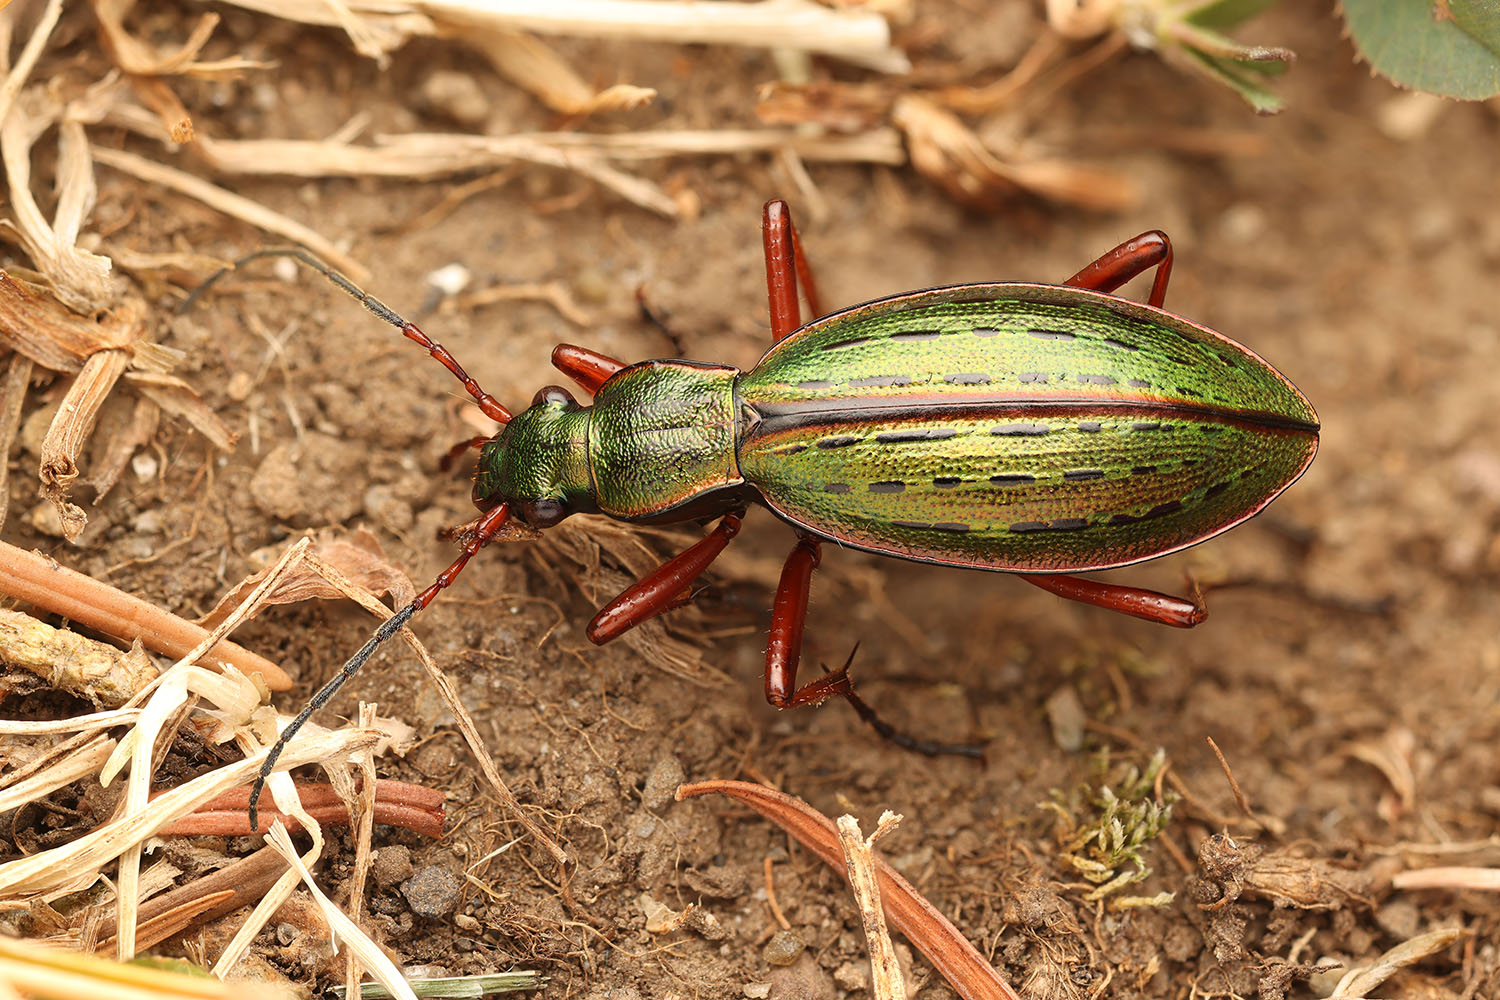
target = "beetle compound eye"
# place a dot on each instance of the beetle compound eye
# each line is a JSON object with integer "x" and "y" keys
{"x": 554, "y": 394}
{"x": 543, "y": 513}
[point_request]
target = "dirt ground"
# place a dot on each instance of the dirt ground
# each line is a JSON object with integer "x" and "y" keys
{"x": 1349, "y": 670}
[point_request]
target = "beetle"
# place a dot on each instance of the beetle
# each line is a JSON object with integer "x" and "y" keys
{"x": 1035, "y": 429}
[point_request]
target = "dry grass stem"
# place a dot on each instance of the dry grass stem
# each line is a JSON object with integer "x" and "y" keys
{"x": 70, "y": 428}
{"x": 96, "y": 720}
{"x": 1364, "y": 981}
{"x": 231, "y": 204}
{"x": 40, "y": 581}
{"x": 533, "y": 65}
{"x": 81, "y": 859}
{"x": 67, "y": 661}
{"x": 139, "y": 58}
{"x": 74, "y": 766}
{"x": 362, "y": 818}
{"x": 344, "y": 929}
{"x": 1460, "y": 878}
{"x": 857, "y": 36}
{"x": 33, "y": 970}
{"x": 859, "y": 864}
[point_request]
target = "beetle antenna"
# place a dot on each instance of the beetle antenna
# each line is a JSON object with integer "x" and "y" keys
{"x": 489, "y": 525}
{"x": 489, "y": 404}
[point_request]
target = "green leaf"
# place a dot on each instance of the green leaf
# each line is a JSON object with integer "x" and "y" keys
{"x": 1480, "y": 19}
{"x": 1233, "y": 74}
{"x": 1226, "y": 13}
{"x": 1412, "y": 43}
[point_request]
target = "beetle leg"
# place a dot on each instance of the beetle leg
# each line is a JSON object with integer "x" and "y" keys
{"x": 788, "y": 618}
{"x": 590, "y": 369}
{"x": 1151, "y": 249}
{"x": 661, "y": 590}
{"x": 1148, "y": 604}
{"x": 452, "y": 455}
{"x": 785, "y": 264}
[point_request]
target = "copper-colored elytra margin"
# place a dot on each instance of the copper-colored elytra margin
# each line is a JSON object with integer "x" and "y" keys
{"x": 795, "y": 415}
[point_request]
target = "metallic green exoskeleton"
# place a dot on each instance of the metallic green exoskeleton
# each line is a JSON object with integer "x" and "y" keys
{"x": 1037, "y": 429}
{"x": 1008, "y": 426}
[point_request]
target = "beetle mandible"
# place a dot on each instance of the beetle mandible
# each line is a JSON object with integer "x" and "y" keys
{"x": 1041, "y": 430}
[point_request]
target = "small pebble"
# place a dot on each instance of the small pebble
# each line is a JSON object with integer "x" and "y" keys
{"x": 286, "y": 933}
{"x": 392, "y": 865}
{"x": 1065, "y": 713}
{"x": 591, "y": 285}
{"x": 144, "y": 466}
{"x": 661, "y": 783}
{"x": 783, "y": 949}
{"x": 464, "y": 922}
{"x": 432, "y": 892}
{"x": 239, "y": 387}
{"x": 455, "y": 95}
{"x": 757, "y": 991}
{"x": 450, "y": 279}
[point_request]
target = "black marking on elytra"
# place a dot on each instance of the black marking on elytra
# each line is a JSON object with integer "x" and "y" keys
{"x": 815, "y": 383}
{"x": 851, "y": 342}
{"x": 1138, "y": 383}
{"x": 953, "y": 526}
{"x": 835, "y": 487}
{"x": 1118, "y": 345}
{"x": 888, "y": 486}
{"x": 1090, "y": 426}
{"x": 1146, "y": 425}
{"x": 1012, "y": 479}
{"x": 879, "y": 381}
{"x": 1098, "y": 379}
{"x": 1228, "y": 361}
{"x": 912, "y": 335}
{"x": 1216, "y": 489}
{"x": 1052, "y": 335}
{"x": 1032, "y": 377}
{"x": 1143, "y": 470}
{"x": 931, "y": 434}
{"x": 919, "y": 525}
{"x": 840, "y": 441}
{"x": 791, "y": 449}
{"x": 1061, "y": 524}
{"x": 1082, "y": 475}
{"x": 1020, "y": 430}
{"x": 967, "y": 378}
{"x": 1188, "y": 463}
{"x": 1188, "y": 392}
{"x": 1210, "y": 428}
{"x": 1160, "y": 510}
{"x": 947, "y": 482}
{"x": 985, "y": 331}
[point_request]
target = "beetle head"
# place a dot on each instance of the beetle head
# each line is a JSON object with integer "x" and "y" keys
{"x": 538, "y": 463}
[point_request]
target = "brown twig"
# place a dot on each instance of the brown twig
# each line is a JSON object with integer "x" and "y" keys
{"x": 911, "y": 914}
{"x": 43, "y": 582}
{"x": 771, "y": 897}
{"x": 397, "y": 803}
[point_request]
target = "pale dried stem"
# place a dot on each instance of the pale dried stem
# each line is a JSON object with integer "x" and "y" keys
{"x": 857, "y": 36}
{"x": 362, "y": 819}
{"x": 70, "y": 428}
{"x": 74, "y": 766}
{"x": 230, "y": 204}
{"x": 40, "y": 581}
{"x": 1486, "y": 879}
{"x": 86, "y": 855}
{"x": 859, "y": 864}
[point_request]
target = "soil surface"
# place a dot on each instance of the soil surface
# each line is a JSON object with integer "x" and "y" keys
{"x": 1349, "y": 669}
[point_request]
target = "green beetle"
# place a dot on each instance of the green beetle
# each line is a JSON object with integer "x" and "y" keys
{"x": 1041, "y": 430}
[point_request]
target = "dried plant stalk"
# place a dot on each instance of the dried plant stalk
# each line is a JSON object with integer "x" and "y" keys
{"x": 32, "y": 970}
{"x": 70, "y": 429}
{"x": 533, "y": 65}
{"x": 40, "y": 581}
{"x": 74, "y": 766}
{"x": 67, "y": 661}
{"x": 859, "y": 864}
{"x": 231, "y": 204}
{"x": 857, "y": 36}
